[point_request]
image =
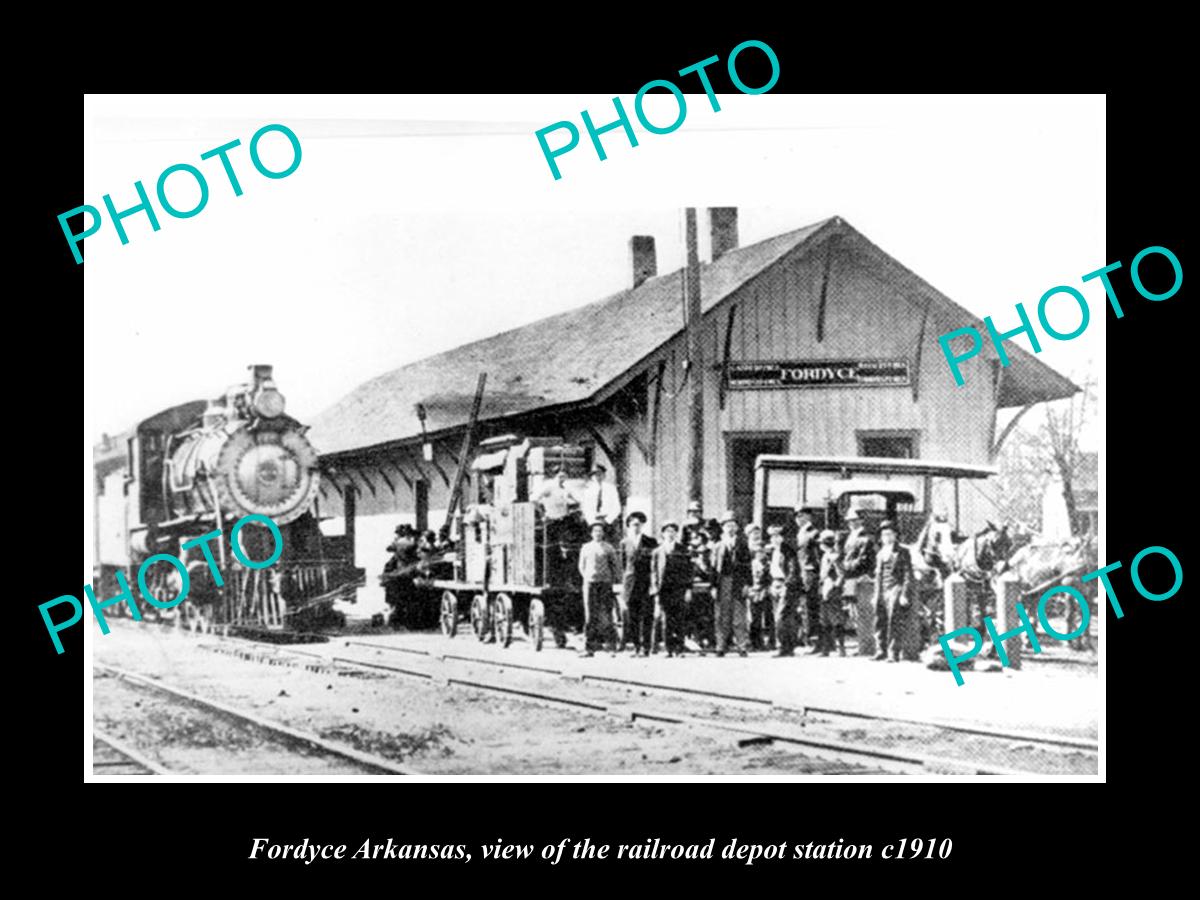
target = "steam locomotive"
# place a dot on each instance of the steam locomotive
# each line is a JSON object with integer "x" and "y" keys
{"x": 199, "y": 467}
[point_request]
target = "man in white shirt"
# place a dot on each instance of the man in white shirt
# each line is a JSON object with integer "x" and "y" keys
{"x": 600, "y": 499}
{"x": 556, "y": 498}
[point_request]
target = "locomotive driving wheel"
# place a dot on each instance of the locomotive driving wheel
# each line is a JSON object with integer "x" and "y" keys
{"x": 502, "y": 620}
{"x": 449, "y": 616}
{"x": 537, "y": 623}
{"x": 479, "y": 616}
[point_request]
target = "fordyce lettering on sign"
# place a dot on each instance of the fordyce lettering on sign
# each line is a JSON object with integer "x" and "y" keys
{"x": 1026, "y": 327}
{"x": 622, "y": 120}
{"x": 144, "y": 204}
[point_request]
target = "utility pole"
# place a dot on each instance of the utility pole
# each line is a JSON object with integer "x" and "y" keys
{"x": 695, "y": 361}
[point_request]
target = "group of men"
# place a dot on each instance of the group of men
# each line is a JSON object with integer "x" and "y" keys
{"x": 413, "y": 554}
{"x": 730, "y": 589}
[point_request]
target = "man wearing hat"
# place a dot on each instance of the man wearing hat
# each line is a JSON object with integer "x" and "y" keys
{"x": 400, "y": 570}
{"x": 832, "y": 578}
{"x": 893, "y": 581}
{"x": 692, "y": 522}
{"x": 808, "y": 566}
{"x": 670, "y": 579}
{"x": 762, "y": 616}
{"x": 784, "y": 568}
{"x": 699, "y": 599}
{"x": 731, "y": 568}
{"x": 600, "y": 500}
{"x": 636, "y": 552}
{"x": 858, "y": 550}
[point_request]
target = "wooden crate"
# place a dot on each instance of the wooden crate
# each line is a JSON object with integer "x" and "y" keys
{"x": 475, "y": 551}
{"x": 523, "y": 561}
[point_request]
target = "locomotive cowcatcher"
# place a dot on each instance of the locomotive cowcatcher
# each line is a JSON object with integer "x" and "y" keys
{"x": 202, "y": 466}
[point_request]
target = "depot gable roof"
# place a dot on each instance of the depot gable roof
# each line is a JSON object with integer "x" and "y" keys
{"x": 571, "y": 357}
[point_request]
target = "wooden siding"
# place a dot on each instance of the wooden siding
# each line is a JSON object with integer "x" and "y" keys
{"x": 775, "y": 317}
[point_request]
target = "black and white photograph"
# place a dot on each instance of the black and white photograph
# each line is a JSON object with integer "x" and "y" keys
{"x": 769, "y": 448}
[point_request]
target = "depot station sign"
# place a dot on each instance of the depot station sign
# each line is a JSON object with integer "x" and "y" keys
{"x": 818, "y": 373}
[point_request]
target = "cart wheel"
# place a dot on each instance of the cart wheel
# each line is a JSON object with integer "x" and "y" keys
{"x": 537, "y": 623}
{"x": 479, "y": 616}
{"x": 449, "y": 618}
{"x": 502, "y": 621}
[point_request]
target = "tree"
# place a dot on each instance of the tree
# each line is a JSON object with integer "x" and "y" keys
{"x": 1059, "y": 435}
{"x": 1018, "y": 489}
{"x": 1045, "y": 447}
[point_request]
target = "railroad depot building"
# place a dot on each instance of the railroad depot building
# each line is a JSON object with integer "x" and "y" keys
{"x": 813, "y": 342}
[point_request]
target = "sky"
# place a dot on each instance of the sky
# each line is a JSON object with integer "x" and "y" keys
{"x": 415, "y": 224}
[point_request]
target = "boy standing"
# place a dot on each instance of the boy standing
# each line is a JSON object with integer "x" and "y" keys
{"x": 636, "y": 551}
{"x": 784, "y": 568}
{"x": 762, "y": 619}
{"x": 833, "y": 578}
{"x": 600, "y": 568}
{"x": 670, "y": 579}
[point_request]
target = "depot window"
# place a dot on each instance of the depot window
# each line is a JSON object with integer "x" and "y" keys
{"x": 892, "y": 444}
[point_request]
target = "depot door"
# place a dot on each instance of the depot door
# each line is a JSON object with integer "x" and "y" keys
{"x": 743, "y": 450}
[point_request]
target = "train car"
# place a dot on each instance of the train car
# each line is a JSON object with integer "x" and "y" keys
{"x": 201, "y": 466}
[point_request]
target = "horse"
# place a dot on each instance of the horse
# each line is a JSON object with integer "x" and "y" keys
{"x": 1045, "y": 563}
{"x": 977, "y": 560}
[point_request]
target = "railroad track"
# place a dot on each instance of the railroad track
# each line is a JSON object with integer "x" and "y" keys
{"x": 751, "y": 733}
{"x": 1036, "y": 737}
{"x": 849, "y": 755}
{"x": 113, "y": 757}
{"x": 280, "y": 733}
{"x": 578, "y": 692}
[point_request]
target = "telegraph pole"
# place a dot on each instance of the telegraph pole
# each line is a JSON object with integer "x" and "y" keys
{"x": 695, "y": 361}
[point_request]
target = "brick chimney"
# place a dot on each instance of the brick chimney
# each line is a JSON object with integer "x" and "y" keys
{"x": 722, "y": 230}
{"x": 643, "y": 258}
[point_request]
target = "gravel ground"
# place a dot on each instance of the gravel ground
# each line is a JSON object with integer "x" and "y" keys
{"x": 915, "y": 739}
{"x": 431, "y": 727}
{"x": 186, "y": 738}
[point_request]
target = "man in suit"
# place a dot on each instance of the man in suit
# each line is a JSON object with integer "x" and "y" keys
{"x": 784, "y": 567}
{"x": 670, "y": 579}
{"x": 731, "y": 568}
{"x": 808, "y": 560}
{"x": 636, "y": 552}
{"x": 858, "y": 551}
{"x": 700, "y": 597}
{"x": 893, "y": 581}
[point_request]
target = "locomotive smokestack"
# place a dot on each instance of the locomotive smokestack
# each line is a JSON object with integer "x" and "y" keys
{"x": 260, "y": 374}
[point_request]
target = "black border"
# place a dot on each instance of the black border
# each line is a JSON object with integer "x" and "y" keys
{"x": 204, "y": 834}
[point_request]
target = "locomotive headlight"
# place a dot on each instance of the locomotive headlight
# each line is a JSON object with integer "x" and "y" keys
{"x": 269, "y": 403}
